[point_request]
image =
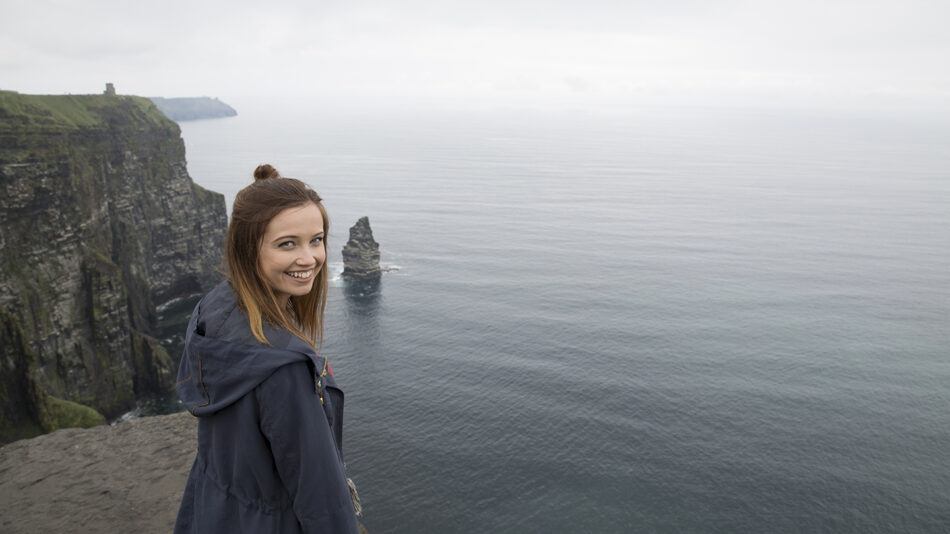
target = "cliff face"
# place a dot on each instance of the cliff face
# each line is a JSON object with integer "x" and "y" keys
{"x": 361, "y": 252}
{"x": 100, "y": 223}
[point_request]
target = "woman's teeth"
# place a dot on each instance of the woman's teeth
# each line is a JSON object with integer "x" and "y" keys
{"x": 301, "y": 274}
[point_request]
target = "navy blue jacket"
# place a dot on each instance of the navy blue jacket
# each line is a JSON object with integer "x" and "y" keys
{"x": 270, "y": 455}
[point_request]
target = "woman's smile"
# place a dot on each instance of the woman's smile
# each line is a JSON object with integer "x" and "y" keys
{"x": 301, "y": 275}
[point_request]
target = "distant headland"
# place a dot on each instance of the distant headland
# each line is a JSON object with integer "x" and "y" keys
{"x": 193, "y": 108}
{"x": 186, "y": 108}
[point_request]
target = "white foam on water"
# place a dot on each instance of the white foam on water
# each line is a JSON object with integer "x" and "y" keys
{"x": 336, "y": 272}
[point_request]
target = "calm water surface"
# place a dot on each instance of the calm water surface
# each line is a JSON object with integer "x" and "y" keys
{"x": 676, "y": 321}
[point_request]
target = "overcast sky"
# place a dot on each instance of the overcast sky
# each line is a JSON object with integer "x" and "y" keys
{"x": 873, "y": 53}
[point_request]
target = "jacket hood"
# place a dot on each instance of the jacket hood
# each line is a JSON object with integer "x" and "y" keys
{"x": 222, "y": 360}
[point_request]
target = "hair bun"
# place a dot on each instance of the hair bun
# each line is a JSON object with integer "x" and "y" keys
{"x": 265, "y": 172}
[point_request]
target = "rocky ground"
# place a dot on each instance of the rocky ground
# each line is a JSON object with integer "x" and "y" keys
{"x": 123, "y": 478}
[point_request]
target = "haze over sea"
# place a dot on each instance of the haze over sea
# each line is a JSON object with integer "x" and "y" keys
{"x": 670, "y": 320}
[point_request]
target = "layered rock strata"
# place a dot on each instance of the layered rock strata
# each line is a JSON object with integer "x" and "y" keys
{"x": 100, "y": 222}
{"x": 361, "y": 252}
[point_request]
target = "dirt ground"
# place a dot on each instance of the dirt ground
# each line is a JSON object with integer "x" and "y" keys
{"x": 123, "y": 478}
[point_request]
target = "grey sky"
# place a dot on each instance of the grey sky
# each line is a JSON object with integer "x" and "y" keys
{"x": 891, "y": 54}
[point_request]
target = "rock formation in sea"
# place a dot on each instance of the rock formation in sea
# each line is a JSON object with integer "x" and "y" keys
{"x": 193, "y": 108}
{"x": 100, "y": 222}
{"x": 361, "y": 253}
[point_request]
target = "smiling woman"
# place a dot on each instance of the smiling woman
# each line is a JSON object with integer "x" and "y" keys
{"x": 270, "y": 455}
{"x": 264, "y": 215}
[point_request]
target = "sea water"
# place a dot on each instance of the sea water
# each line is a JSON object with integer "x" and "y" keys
{"x": 658, "y": 321}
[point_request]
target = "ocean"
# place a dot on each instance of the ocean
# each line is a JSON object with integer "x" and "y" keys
{"x": 662, "y": 320}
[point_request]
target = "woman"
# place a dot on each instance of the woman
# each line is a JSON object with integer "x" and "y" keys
{"x": 270, "y": 414}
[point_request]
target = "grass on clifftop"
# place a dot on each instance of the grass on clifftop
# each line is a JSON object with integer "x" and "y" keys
{"x": 68, "y": 414}
{"x": 69, "y": 112}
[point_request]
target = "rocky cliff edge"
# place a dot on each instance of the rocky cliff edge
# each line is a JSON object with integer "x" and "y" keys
{"x": 100, "y": 223}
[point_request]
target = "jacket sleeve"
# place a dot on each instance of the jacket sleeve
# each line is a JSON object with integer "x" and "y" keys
{"x": 304, "y": 451}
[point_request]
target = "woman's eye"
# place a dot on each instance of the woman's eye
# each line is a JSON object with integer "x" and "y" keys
{"x": 286, "y": 244}
{"x": 316, "y": 240}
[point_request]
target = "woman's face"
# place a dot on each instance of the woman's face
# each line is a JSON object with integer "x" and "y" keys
{"x": 292, "y": 251}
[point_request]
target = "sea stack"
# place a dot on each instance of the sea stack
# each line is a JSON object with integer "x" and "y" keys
{"x": 361, "y": 253}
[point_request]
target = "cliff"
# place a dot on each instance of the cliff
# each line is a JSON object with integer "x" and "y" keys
{"x": 361, "y": 252}
{"x": 100, "y": 223}
{"x": 193, "y": 108}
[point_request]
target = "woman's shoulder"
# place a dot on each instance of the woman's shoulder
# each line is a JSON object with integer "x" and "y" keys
{"x": 290, "y": 378}
{"x": 220, "y": 297}
{"x": 219, "y": 316}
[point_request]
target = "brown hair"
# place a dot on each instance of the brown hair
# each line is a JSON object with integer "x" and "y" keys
{"x": 254, "y": 208}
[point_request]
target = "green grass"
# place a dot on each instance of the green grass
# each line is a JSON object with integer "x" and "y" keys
{"x": 69, "y": 112}
{"x": 68, "y": 414}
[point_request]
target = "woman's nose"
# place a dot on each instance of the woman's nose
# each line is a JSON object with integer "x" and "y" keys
{"x": 305, "y": 258}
